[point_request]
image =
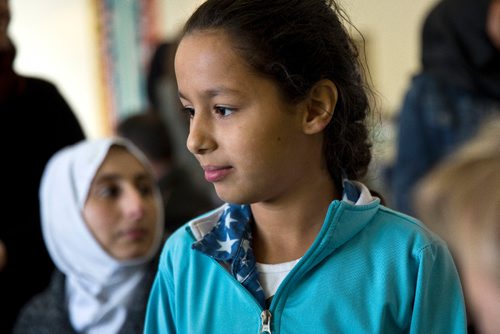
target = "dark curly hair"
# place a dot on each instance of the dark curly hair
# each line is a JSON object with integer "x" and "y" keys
{"x": 296, "y": 43}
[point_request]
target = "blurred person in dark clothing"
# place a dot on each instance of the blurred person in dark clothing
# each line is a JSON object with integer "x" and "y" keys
{"x": 460, "y": 200}
{"x": 36, "y": 122}
{"x": 458, "y": 87}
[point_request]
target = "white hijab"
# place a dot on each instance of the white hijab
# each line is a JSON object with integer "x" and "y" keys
{"x": 98, "y": 286}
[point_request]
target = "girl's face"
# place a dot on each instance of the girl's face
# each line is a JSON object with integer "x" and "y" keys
{"x": 248, "y": 140}
{"x": 120, "y": 210}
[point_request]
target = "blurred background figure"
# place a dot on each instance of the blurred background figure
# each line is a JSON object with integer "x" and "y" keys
{"x": 102, "y": 221}
{"x": 161, "y": 87}
{"x": 183, "y": 200}
{"x": 36, "y": 122}
{"x": 460, "y": 199}
{"x": 459, "y": 86}
{"x": 3, "y": 255}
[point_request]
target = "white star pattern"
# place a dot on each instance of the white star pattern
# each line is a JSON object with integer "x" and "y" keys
{"x": 240, "y": 278}
{"x": 234, "y": 220}
{"x": 245, "y": 244}
{"x": 228, "y": 220}
{"x": 225, "y": 246}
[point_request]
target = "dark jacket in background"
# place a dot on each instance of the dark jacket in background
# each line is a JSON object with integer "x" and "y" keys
{"x": 48, "y": 313}
{"x": 457, "y": 89}
{"x": 35, "y": 122}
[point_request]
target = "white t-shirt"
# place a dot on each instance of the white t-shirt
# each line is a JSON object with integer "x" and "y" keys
{"x": 271, "y": 275}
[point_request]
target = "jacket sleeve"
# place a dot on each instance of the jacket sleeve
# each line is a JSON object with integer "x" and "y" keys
{"x": 160, "y": 310}
{"x": 439, "y": 305}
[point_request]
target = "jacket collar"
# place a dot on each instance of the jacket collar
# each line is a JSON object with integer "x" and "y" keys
{"x": 225, "y": 234}
{"x": 356, "y": 200}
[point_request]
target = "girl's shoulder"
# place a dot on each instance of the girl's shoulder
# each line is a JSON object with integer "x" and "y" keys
{"x": 182, "y": 238}
{"x": 402, "y": 227}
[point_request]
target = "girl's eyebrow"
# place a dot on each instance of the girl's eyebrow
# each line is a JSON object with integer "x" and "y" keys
{"x": 213, "y": 92}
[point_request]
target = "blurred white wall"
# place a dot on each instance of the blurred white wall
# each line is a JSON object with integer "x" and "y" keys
{"x": 392, "y": 30}
{"x": 174, "y": 13}
{"x": 56, "y": 39}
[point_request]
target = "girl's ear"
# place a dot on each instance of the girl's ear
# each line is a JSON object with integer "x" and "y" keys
{"x": 320, "y": 106}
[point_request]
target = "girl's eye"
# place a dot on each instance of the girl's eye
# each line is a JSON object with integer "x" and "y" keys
{"x": 223, "y": 111}
{"x": 188, "y": 111}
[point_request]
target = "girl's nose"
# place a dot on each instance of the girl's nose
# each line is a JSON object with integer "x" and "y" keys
{"x": 200, "y": 139}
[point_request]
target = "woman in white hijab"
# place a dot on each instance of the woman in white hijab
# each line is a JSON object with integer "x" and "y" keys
{"x": 102, "y": 222}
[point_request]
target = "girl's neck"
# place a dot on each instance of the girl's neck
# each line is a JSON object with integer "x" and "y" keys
{"x": 284, "y": 230}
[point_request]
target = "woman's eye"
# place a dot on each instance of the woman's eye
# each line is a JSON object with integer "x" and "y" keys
{"x": 109, "y": 191}
{"x": 145, "y": 188}
{"x": 224, "y": 111}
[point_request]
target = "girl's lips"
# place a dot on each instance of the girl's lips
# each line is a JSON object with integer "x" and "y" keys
{"x": 214, "y": 174}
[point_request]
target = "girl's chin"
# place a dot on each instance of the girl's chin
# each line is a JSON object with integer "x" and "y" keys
{"x": 235, "y": 199}
{"x": 237, "y": 194}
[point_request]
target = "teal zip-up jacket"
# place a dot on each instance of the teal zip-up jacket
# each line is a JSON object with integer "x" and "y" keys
{"x": 370, "y": 270}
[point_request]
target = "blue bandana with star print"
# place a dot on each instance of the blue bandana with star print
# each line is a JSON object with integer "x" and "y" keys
{"x": 230, "y": 242}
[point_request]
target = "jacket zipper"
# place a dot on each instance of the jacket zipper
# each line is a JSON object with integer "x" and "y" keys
{"x": 266, "y": 322}
{"x": 266, "y": 314}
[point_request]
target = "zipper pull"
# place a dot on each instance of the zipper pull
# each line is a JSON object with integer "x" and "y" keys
{"x": 266, "y": 322}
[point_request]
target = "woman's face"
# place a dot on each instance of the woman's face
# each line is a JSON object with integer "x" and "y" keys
{"x": 4, "y": 24}
{"x": 248, "y": 140}
{"x": 121, "y": 210}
